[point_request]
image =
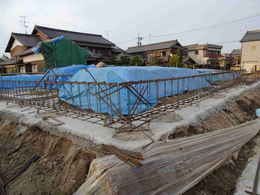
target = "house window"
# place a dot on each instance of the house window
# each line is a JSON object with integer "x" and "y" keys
{"x": 22, "y": 69}
{"x": 34, "y": 68}
{"x": 163, "y": 53}
{"x": 196, "y": 52}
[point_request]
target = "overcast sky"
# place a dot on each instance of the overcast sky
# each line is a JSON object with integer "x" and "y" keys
{"x": 121, "y": 20}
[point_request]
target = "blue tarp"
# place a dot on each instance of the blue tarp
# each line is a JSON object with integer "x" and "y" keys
{"x": 99, "y": 98}
{"x": 65, "y": 73}
{"x": 205, "y": 70}
{"x": 56, "y": 74}
{"x": 37, "y": 48}
{"x": 23, "y": 77}
{"x": 124, "y": 99}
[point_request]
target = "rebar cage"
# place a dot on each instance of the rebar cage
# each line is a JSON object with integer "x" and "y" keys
{"x": 123, "y": 106}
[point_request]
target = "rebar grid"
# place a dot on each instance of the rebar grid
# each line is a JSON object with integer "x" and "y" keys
{"x": 123, "y": 106}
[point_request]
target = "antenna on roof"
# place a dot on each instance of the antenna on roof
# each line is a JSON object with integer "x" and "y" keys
{"x": 139, "y": 40}
{"x": 24, "y": 23}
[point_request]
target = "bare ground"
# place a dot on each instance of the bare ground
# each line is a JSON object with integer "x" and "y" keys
{"x": 63, "y": 166}
{"x": 223, "y": 180}
{"x": 61, "y": 169}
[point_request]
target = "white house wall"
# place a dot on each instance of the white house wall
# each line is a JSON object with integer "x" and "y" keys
{"x": 250, "y": 55}
{"x": 33, "y": 58}
{"x": 16, "y": 43}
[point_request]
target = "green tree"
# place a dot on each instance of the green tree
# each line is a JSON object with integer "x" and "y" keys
{"x": 175, "y": 60}
{"x": 124, "y": 60}
{"x": 179, "y": 53}
{"x": 154, "y": 61}
{"x": 136, "y": 61}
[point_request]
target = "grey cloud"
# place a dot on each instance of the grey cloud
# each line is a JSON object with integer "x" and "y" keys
{"x": 122, "y": 20}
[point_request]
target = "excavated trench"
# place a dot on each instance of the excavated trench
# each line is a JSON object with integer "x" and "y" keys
{"x": 61, "y": 168}
{"x": 37, "y": 162}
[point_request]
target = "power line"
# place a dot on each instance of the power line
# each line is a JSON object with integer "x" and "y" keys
{"x": 201, "y": 28}
{"x": 211, "y": 26}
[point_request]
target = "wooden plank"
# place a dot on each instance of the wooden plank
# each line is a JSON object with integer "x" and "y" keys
{"x": 168, "y": 168}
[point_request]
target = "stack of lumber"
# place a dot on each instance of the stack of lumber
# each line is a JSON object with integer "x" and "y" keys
{"x": 168, "y": 168}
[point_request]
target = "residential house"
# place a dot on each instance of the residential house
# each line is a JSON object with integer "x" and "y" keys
{"x": 160, "y": 52}
{"x": 250, "y": 51}
{"x": 236, "y": 54}
{"x": 205, "y": 55}
{"x": 225, "y": 61}
{"x": 24, "y": 60}
{"x": 236, "y": 57}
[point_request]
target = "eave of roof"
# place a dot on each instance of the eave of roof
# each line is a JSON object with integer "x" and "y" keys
{"x": 9, "y": 62}
{"x": 74, "y": 36}
{"x": 154, "y": 46}
{"x": 25, "y": 39}
{"x": 251, "y": 36}
{"x": 202, "y": 46}
{"x": 236, "y": 52}
{"x": 30, "y": 50}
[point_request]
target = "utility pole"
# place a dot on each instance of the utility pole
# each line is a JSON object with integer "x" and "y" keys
{"x": 24, "y": 23}
{"x": 139, "y": 40}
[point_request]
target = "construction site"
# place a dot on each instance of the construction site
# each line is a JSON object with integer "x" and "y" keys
{"x": 130, "y": 97}
{"x": 86, "y": 130}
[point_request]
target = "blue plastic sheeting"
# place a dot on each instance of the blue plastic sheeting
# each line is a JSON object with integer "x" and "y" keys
{"x": 37, "y": 49}
{"x": 56, "y": 74}
{"x": 65, "y": 73}
{"x": 124, "y": 99}
{"x": 133, "y": 73}
{"x": 222, "y": 77}
{"x": 218, "y": 77}
{"x": 23, "y": 77}
{"x": 205, "y": 70}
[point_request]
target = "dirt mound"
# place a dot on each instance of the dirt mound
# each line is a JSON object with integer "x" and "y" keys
{"x": 61, "y": 169}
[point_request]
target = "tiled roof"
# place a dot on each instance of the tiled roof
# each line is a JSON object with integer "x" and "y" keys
{"x": 196, "y": 59}
{"x": 25, "y": 39}
{"x": 117, "y": 50}
{"x": 251, "y": 36}
{"x": 202, "y": 46}
{"x": 154, "y": 46}
{"x": 9, "y": 61}
{"x": 236, "y": 52}
{"x": 74, "y": 36}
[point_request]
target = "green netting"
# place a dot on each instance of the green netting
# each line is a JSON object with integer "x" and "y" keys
{"x": 62, "y": 53}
